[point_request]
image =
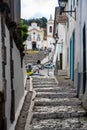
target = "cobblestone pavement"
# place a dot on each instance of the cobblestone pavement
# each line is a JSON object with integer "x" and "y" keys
{"x": 56, "y": 106}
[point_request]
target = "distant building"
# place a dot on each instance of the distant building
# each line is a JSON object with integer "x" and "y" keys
{"x": 50, "y": 39}
{"x": 38, "y": 38}
{"x": 35, "y": 37}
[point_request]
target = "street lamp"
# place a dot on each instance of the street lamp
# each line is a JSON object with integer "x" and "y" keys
{"x": 62, "y": 4}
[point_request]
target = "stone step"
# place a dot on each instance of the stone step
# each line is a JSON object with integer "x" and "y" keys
{"x": 56, "y": 89}
{"x": 44, "y": 85}
{"x": 43, "y": 79}
{"x": 57, "y": 101}
{"x": 58, "y": 112}
{"x": 59, "y": 124}
{"x": 55, "y": 95}
{"x": 42, "y": 82}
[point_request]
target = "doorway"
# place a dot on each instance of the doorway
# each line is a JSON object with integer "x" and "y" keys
{"x": 72, "y": 43}
{"x": 84, "y": 59}
{"x": 33, "y": 45}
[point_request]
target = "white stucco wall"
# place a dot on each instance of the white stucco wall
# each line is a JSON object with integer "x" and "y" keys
{"x": 81, "y": 21}
{"x": 8, "y": 101}
{"x": 50, "y": 23}
{"x": 61, "y": 40}
{"x": 28, "y": 44}
{"x": 18, "y": 76}
{"x": 18, "y": 80}
{"x": 50, "y": 39}
{"x": 0, "y": 58}
{"x": 78, "y": 45}
{"x": 69, "y": 32}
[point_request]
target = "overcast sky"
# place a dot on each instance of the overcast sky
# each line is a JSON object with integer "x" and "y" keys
{"x": 38, "y": 8}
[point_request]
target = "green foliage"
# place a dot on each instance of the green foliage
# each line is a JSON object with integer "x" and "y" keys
{"x": 42, "y": 22}
{"x": 24, "y": 30}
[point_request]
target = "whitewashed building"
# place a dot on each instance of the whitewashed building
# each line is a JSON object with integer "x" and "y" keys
{"x": 50, "y": 38}
{"x": 68, "y": 8}
{"x": 81, "y": 51}
{"x": 11, "y": 64}
{"x": 60, "y": 37}
{"x": 35, "y": 37}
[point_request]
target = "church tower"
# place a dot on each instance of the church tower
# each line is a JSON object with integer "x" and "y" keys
{"x": 50, "y": 39}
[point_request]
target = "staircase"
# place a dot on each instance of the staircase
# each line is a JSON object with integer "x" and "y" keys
{"x": 34, "y": 57}
{"x": 56, "y": 107}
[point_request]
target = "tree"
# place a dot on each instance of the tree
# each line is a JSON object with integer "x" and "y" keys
{"x": 42, "y": 22}
{"x": 24, "y": 31}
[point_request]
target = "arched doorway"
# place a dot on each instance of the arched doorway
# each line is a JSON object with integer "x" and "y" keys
{"x": 33, "y": 45}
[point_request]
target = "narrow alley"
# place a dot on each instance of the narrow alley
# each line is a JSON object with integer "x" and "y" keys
{"x": 43, "y": 64}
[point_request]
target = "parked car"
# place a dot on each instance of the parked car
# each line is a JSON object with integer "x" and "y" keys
{"x": 49, "y": 66}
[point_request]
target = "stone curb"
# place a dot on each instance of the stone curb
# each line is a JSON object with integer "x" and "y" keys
{"x": 30, "y": 115}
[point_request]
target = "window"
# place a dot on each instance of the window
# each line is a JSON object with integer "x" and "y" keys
{"x": 50, "y": 29}
{"x": 71, "y": 8}
{"x": 33, "y": 35}
{"x": 29, "y": 38}
{"x": 38, "y": 37}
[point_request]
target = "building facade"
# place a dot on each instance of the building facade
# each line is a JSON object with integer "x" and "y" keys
{"x": 35, "y": 37}
{"x": 81, "y": 53}
{"x": 11, "y": 63}
{"x": 60, "y": 37}
{"x": 50, "y": 39}
{"x": 76, "y": 44}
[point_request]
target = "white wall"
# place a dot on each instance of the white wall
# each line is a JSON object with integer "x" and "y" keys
{"x": 18, "y": 80}
{"x": 50, "y": 39}
{"x": 18, "y": 76}
{"x": 28, "y": 44}
{"x": 61, "y": 40}
{"x": 69, "y": 32}
{"x": 8, "y": 101}
{"x": 81, "y": 20}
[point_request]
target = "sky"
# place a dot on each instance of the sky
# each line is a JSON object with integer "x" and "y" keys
{"x": 38, "y": 8}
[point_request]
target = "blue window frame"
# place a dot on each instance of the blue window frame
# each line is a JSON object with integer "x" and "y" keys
{"x": 71, "y": 8}
{"x": 73, "y": 3}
